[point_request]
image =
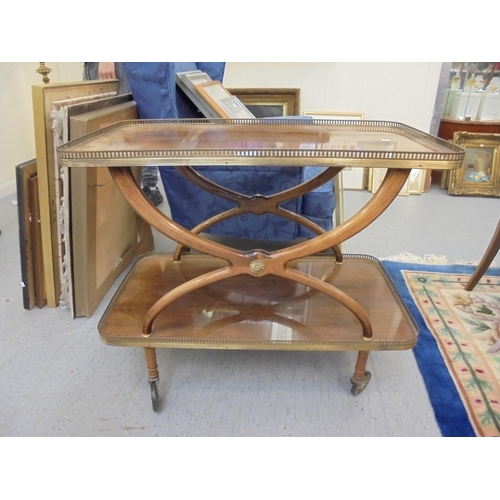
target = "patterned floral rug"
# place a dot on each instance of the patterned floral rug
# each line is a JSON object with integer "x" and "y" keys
{"x": 458, "y": 350}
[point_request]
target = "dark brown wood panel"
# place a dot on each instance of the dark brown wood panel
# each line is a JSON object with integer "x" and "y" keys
{"x": 24, "y": 172}
{"x": 266, "y": 313}
{"x": 448, "y": 127}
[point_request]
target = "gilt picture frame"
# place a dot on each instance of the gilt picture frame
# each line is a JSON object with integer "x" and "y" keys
{"x": 213, "y": 92}
{"x": 24, "y": 173}
{"x": 43, "y": 97}
{"x": 479, "y": 174}
{"x": 222, "y": 101}
{"x": 106, "y": 232}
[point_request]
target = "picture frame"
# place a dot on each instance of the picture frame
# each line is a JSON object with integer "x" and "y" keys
{"x": 60, "y": 114}
{"x": 189, "y": 82}
{"x": 36, "y": 241}
{"x": 269, "y": 102}
{"x": 213, "y": 91}
{"x": 353, "y": 178}
{"x": 43, "y": 97}
{"x": 106, "y": 233}
{"x": 416, "y": 181}
{"x": 234, "y": 108}
{"x": 479, "y": 174}
{"x": 24, "y": 173}
{"x": 221, "y": 100}
{"x": 378, "y": 175}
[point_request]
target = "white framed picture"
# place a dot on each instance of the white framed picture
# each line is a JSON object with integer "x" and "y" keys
{"x": 377, "y": 176}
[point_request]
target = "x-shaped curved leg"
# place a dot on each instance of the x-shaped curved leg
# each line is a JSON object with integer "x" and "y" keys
{"x": 334, "y": 293}
{"x": 248, "y": 315}
{"x": 258, "y": 263}
{"x": 258, "y": 204}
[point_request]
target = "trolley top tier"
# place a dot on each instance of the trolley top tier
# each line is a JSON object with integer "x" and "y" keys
{"x": 261, "y": 142}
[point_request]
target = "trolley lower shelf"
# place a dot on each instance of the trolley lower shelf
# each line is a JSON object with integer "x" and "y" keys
{"x": 259, "y": 313}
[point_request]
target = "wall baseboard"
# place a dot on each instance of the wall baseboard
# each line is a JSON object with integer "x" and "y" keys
{"x": 7, "y": 189}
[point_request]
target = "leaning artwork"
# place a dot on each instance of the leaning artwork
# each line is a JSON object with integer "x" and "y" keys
{"x": 479, "y": 174}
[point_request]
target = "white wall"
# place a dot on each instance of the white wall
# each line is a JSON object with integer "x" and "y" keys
{"x": 17, "y": 140}
{"x": 401, "y": 92}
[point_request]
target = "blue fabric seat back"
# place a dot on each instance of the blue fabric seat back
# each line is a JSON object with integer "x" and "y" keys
{"x": 157, "y": 96}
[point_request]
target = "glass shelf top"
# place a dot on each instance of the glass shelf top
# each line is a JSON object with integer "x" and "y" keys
{"x": 285, "y": 142}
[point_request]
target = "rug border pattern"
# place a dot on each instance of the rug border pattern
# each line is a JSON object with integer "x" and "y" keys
{"x": 450, "y": 412}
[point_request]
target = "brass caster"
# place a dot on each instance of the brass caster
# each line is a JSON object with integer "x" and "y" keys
{"x": 358, "y": 385}
{"x": 154, "y": 394}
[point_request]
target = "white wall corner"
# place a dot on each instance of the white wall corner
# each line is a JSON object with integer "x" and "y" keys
{"x": 8, "y": 189}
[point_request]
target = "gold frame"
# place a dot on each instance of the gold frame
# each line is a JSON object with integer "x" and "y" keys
{"x": 482, "y": 151}
{"x": 288, "y": 98}
{"x": 43, "y": 97}
{"x": 24, "y": 172}
{"x": 203, "y": 89}
{"x": 107, "y": 234}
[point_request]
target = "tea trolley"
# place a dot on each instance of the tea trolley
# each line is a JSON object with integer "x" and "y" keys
{"x": 307, "y": 296}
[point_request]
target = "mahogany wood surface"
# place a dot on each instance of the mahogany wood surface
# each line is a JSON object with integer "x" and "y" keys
{"x": 183, "y": 144}
{"x": 289, "y": 299}
{"x": 448, "y": 127}
{"x": 270, "y": 262}
{"x": 261, "y": 143}
{"x": 151, "y": 363}
{"x": 271, "y": 312}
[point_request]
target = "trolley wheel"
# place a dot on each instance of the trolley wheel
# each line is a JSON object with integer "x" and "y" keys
{"x": 154, "y": 394}
{"x": 358, "y": 385}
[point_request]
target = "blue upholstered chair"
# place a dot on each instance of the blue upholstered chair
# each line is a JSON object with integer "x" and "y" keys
{"x": 191, "y": 205}
{"x": 153, "y": 87}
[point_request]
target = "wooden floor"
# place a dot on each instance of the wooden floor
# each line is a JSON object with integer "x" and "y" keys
{"x": 57, "y": 378}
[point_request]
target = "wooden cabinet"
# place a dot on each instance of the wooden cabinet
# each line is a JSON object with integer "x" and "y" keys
{"x": 449, "y": 126}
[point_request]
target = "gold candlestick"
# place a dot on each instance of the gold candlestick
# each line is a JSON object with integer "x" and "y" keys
{"x": 44, "y": 71}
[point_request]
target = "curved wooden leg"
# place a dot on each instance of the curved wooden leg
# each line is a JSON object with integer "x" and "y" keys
{"x": 131, "y": 190}
{"x": 197, "y": 179}
{"x": 205, "y": 225}
{"x": 167, "y": 299}
{"x": 253, "y": 262}
{"x": 379, "y": 202}
{"x": 153, "y": 376}
{"x": 336, "y": 294}
{"x": 258, "y": 204}
{"x": 286, "y": 214}
{"x": 487, "y": 259}
{"x": 299, "y": 219}
{"x": 361, "y": 377}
